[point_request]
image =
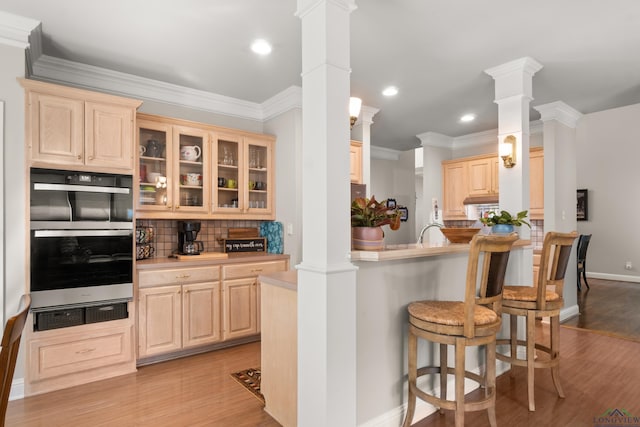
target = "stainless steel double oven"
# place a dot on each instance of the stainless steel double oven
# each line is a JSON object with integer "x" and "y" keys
{"x": 81, "y": 239}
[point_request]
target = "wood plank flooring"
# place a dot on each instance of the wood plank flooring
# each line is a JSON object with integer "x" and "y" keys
{"x": 192, "y": 391}
{"x": 598, "y": 372}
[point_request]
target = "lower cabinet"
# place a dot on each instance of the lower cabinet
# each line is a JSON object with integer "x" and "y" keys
{"x": 61, "y": 358}
{"x": 179, "y": 314}
{"x": 182, "y": 308}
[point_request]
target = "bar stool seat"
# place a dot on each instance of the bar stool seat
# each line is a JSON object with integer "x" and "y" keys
{"x": 534, "y": 302}
{"x": 472, "y": 322}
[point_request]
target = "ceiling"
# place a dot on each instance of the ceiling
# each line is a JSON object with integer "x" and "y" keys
{"x": 434, "y": 51}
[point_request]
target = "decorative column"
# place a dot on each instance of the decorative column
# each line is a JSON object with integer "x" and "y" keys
{"x": 326, "y": 277}
{"x": 362, "y": 132}
{"x": 560, "y": 183}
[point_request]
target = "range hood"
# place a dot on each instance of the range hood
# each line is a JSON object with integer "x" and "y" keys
{"x": 486, "y": 199}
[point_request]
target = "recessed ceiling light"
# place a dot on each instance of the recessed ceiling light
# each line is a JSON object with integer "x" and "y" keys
{"x": 468, "y": 118}
{"x": 261, "y": 47}
{"x": 390, "y": 91}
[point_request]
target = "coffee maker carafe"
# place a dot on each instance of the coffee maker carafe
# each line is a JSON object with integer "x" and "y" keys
{"x": 187, "y": 233}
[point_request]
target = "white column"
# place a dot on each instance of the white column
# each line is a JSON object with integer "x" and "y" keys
{"x": 513, "y": 87}
{"x": 560, "y": 182}
{"x": 362, "y": 132}
{"x": 326, "y": 277}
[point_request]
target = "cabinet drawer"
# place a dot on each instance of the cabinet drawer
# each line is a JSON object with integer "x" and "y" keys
{"x": 252, "y": 269}
{"x": 68, "y": 354}
{"x": 177, "y": 276}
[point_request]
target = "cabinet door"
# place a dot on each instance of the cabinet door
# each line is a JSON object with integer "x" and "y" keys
{"x": 225, "y": 159}
{"x": 109, "y": 136}
{"x": 191, "y": 177}
{"x": 454, "y": 191}
{"x": 239, "y": 308}
{"x": 201, "y": 314}
{"x": 57, "y": 129}
{"x": 536, "y": 184}
{"x": 160, "y": 321}
{"x": 258, "y": 179}
{"x": 495, "y": 175}
{"x": 154, "y": 166}
{"x": 355, "y": 157}
{"x": 480, "y": 172}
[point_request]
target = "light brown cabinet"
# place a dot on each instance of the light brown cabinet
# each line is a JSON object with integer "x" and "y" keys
{"x": 241, "y": 296}
{"x": 198, "y": 171}
{"x": 536, "y": 183}
{"x": 61, "y": 358}
{"x": 79, "y": 129}
{"x": 178, "y": 308}
{"x": 454, "y": 189}
{"x": 355, "y": 161}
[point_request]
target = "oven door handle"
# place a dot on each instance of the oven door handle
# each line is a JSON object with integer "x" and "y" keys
{"x": 76, "y": 188}
{"x": 82, "y": 233}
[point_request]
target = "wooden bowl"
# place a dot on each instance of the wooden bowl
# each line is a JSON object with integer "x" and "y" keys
{"x": 459, "y": 234}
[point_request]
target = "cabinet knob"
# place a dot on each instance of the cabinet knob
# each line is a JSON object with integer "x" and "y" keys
{"x": 90, "y": 157}
{"x": 177, "y": 206}
{"x": 168, "y": 206}
{"x": 87, "y": 350}
{"x": 79, "y": 156}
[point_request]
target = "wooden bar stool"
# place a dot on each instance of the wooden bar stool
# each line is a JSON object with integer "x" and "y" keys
{"x": 532, "y": 302}
{"x": 472, "y": 322}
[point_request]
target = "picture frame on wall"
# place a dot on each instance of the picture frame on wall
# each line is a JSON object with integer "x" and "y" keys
{"x": 391, "y": 203}
{"x": 582, "y": 211}
{"x": 404, "y": 213}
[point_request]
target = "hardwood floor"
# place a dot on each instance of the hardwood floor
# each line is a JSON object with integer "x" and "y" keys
{"x": 598, "y": 372}
{"x": 610, "y": 307}
{"x": 193, "y": 391}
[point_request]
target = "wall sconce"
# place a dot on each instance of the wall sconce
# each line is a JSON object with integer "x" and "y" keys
{"x": 354, "y": 109}
{"x": 508, "y": 151}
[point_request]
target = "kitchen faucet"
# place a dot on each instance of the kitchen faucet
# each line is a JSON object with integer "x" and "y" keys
{"x": 424, "y": 229}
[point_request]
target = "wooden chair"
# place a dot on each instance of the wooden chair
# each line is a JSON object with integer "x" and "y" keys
{"x": 9, "y": 353}
{"x": 472, "y": 322}
{"x": 583, "y": 245}
{"x": 533, "y": 302}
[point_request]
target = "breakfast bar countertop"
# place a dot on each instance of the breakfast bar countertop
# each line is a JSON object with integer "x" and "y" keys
{"x": 413, "y": 250}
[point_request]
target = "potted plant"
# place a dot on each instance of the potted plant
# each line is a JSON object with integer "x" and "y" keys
{"x": 367, "y": 218}
{"x": 504, "y": 221}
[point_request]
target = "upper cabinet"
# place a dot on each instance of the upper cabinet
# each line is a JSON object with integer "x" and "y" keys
{"x": 455, "y": 183}
{"x": 479, "y": 176}
{"x": 536, "y": 183}
{"x": 78, "y": 129}
{"x": 355, "y": 159}
{"x": 193, "y": 170}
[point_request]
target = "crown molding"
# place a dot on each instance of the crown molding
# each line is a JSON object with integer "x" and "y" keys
{"x": 381, "y": 153}
{"x": 15, "y": 29}
{"x": 286, "y": 100}
{"x": 561, "y": 112}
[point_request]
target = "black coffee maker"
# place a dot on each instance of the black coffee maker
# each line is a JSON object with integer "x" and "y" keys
{"x": 187, "y": 233}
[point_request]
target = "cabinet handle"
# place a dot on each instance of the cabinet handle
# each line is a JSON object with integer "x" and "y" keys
{"x": 85, "y": 351}
{"x": 183, "y": 276}
{"x": 256, "y": 270}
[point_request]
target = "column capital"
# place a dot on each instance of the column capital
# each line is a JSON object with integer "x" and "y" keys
{"x": 561, "y": 112}
{"x": 435, "y": 139}
{"x": 305, "y": 6}
{"x": 514, "y": 77}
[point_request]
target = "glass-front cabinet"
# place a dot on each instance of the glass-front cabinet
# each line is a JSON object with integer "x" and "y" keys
{"x": 192, "y": 170}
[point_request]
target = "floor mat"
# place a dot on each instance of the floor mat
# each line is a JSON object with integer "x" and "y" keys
{"x": 250, "y": 379}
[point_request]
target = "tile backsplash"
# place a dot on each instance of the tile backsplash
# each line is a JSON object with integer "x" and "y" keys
{"x": 166, "y": 233}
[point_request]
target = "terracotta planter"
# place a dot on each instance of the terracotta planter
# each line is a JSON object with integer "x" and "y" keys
{"x": 367, "y": 238}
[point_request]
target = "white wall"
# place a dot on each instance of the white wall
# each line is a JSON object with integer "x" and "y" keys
{"x": 396, "y": 179}
{"x": 288, "y": 154}
{"x": 14, "y": 177}
{"x": 608, "y": 150}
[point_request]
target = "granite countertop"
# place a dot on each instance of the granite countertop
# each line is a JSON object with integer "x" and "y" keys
{"x": 413, "y": 250}
{"x": 153, "y": 263}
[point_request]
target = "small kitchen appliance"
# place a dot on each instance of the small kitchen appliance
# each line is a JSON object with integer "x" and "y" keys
{"x": 187, "y": 233}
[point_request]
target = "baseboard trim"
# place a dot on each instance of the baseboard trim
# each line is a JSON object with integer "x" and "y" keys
{"x": 569, "y": 312}
{"x": 17, "y": 389}
{"x": 616, "y": 277}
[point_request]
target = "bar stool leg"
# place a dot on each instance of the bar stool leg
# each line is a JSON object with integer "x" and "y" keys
{"x": 513, "y": 329}
{"x": 491, "y": 381}
{"x": 555, "y": 353}
{"x": 443, "y": 373}
{"x": 413, "y": 374}
{"x": 531, "y": 346}
{"x": 459, "y": 372}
